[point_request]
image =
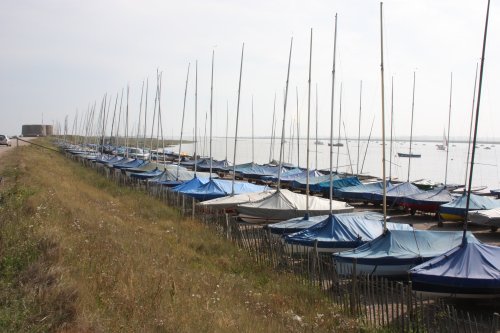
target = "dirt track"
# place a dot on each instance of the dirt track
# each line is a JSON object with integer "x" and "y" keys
{"x": 4, "y": 149}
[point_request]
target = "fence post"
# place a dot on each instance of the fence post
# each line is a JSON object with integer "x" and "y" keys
{"x": 495, "y": 322}
{"x": 354, "y": 288}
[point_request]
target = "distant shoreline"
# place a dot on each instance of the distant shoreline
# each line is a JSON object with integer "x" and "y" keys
{"x": 482, "y": 141}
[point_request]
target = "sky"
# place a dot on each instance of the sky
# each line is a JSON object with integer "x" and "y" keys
{"x": 60, "y": 57}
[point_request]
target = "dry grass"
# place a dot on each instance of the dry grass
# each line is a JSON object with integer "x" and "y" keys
{"x": 96, "y": 257}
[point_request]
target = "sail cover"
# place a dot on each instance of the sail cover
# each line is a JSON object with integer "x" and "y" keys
{"x": 284, "y": 205}
{"x": 457, "y": 206}
{"x": 344, "y": 231}
{"x": 471, "y": 268}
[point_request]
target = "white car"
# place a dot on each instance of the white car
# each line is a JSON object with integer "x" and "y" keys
{"x": 4, "y": 140}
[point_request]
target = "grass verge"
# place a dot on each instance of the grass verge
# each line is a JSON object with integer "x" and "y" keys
{"x": 80, "y": 254}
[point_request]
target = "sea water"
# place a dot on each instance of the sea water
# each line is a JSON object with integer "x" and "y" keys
{"x": 431, "y": 165}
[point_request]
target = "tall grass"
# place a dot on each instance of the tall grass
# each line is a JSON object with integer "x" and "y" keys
{"x": 93, "y": 256}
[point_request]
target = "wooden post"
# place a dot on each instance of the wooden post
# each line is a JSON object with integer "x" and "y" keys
{"x": 354, "y": 287}
{"x": 495, "y": 322}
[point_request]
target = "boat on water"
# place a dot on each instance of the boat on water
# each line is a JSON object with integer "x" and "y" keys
{"x": 410, "y": 155}
{"x": 444, "y": 145}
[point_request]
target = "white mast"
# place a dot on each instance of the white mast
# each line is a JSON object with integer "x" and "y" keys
{"x": 384, "y": 185}
{"x": 182, "y": 123}
{"x": 237, "y": 118}
{"x": 308, "y": 124}
{"x": 331, "y": 115}
{"x": 284, "y": 116}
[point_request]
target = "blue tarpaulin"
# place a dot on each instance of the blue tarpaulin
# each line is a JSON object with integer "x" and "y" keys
{"x": 132, "y": 164}
{"x": 191, "y": 184}
{"x": 295, "y": 224}
{"x": 396, "y": 194}
{"x": 216, "y": 165}
{"x": 457, "y": 206}
{"x": 428, "y": 201}
{"x": 471, "y": 268}
{"x": 290, "y": 175}
{"x": 217, "y": 188}
{"x": 342, "y": 231}
{"x": 146, "y": 174}
{"x": 300, "y": 184}
{"x": 400, "y": 247}
{"x": 256, "y": 171}
{"x": 363, "y": 192}
{"x": 338, "y": 184}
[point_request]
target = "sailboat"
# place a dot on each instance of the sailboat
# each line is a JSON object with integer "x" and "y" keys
{"x": 284, "y": 204}
{"x": 471, "y": 269}
{"x": 444, "y": 145}
{"x": 410, "y": 154}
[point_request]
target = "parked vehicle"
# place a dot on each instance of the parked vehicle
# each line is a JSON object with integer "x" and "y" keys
{"x": 4, "y": 140}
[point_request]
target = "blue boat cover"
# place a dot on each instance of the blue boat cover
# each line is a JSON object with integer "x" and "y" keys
{"x": 337, "y": 184}
{"x": 477, "y": 202}
{"x": 217, "y": 188}
{"x": 495, "y": 192}
{"x": 191, "y": 184}
{"x": 295, "y": 224}
{"x": 362, "y": 192}
{"x": 438, "y": 195}
{"x": 397, "y": 193}
{"x": 348, "y": 230}
{"x": 289, "y": 175}
{"x": 191, "y": 163}
{"x": 256, "y": 171}
{"x": 132, "y": 164}
{"x": 146, "y": 174}
{"x": 216, "y": 165}
{"x": 170, "y": 176}
{"x": 300, "y": 183}
{"x": 473, "y": 267}
{"x": 104, "y": 158}
{"x": 118, "y": 160}
{"x": 403, "y": 247}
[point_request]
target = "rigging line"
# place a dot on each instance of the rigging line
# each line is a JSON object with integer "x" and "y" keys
{"x": 347, "y": 146}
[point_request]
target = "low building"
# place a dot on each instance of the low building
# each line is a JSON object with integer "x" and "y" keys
{"x": 37, "y": 130}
